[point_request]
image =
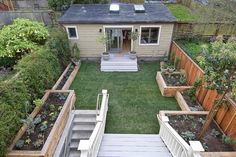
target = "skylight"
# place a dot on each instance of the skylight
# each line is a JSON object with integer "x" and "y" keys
{"x": 114, "y": 8}
{"x": 139, "y": 8}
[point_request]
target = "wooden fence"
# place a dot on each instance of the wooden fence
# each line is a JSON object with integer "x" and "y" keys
{"x": 185, "y": 29}
{"x": 226, "y": 115}
{"x": 45, "y": 16}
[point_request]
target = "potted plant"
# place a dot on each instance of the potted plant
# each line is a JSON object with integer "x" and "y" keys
{"x": 104, "y": 39}
{"x": 132, "y": 54}
{"x": 105, "y": 56}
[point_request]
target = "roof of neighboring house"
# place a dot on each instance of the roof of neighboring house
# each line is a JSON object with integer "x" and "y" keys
{"x": 100, "y": 14}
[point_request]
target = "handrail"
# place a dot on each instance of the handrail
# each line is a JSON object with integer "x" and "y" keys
{"x": 90, "y": 148}
{"x": 175, "y": 143}
{"x": 98, "y": 105}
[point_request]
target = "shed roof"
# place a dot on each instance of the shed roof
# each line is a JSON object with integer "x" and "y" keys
{"x": 100, "y": 14}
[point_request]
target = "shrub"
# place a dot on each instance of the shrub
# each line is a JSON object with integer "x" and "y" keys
{"x": 21, "y": 38}
{"x": 13, "y": 106}
{"x": 58, "y": 44}
{"x": 39, "y": 70}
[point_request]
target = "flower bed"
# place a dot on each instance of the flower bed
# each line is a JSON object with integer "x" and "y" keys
{"x": 39, "y": 136}
{"x": 187, "y": 124}
{"x": 67, "y": 77}
{"x": 188, "y": 102}
{"x": 170, "y": 84}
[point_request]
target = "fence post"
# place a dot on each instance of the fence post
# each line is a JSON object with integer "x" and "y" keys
{"x": 195, "y": 148}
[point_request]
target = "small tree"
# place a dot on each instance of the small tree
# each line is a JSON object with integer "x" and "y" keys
{"x": 105, "y": 40}
{"x": 134, "y": 36}
{"x": 220, "y": 74}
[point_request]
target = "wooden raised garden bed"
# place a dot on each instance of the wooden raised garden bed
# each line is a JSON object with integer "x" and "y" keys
{"x": 67, "y": 77}
{"x": 54, "y": 114}
{"x": 169, "y": 90}
{"x": 188, "y": 124}
{"x": 186, "y": 103}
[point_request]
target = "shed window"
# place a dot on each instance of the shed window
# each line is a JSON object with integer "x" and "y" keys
{"x": 150, "y": 35}
{"x": 72, "y": 32}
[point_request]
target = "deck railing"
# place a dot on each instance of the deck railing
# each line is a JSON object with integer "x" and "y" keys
{"x": 90, "y": 148}
{"x": 174, "y": 142}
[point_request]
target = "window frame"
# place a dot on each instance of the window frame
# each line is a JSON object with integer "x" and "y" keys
{"x": 76, "y": 31}
{"x": 149, "y": 26}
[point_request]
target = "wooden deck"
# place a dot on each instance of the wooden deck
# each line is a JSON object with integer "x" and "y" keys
{"x": 133, "y": 145}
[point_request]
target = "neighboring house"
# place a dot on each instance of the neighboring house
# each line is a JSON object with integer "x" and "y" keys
{"x": 86, "y": 22}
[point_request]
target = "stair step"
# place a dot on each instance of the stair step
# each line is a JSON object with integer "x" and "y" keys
{"x": 84, "y": 120}
{"x": 119, "y": 64}
{"x": 79, "y": 127}
{"x": 74, "y": 144}
{"x": 85, "y": 112}
{"x": 81, "y": 135}
{"x": 74, "y": 153}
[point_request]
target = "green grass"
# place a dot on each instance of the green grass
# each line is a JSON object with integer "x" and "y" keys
{"x": 194, "y": 47}
{"x": 134, "y": 101}
{"x": 181, "y": 12}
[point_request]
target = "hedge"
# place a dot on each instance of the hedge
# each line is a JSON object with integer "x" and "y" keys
{"x": 36, "y": 72}
{"x": 39, "y": 71}
{"x": 14, "y": 104}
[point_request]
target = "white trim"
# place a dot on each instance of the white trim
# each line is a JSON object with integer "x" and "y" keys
{"x": 149, "y": 26}
{"x": 76, "y": 30}
{"x": 120, "y": 26}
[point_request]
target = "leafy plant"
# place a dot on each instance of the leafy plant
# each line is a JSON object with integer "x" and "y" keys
{"x": 38, "y": 102}
{"x": 30, "y": 125}
{"x": 20, "y": 144}
{"x": 53, "y": 116}
{"x": 182, "y": 80}
{"x": 215, "y": 133}
{"x": 28, "y": 141}
{"x": 228, "y": 140}
{"x": 44, "y": 126}
{"x": 37, "y": 120}
{"x": 52, "y": 108}
{"x": 59, "y": 108}
{"x": 39, "y": 142}
{"x": 188, "y": 135}
{"x": 21, "y": 37}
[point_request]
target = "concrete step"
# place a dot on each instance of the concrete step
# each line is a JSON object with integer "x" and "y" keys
{"x": 81, "y": 135}
{"x": 85, "y": 127}
{"x": 74, "y": 153}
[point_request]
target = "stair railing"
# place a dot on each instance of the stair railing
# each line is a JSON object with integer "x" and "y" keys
{"x": 90, "y": 148}
{"x": 175, "y": 143}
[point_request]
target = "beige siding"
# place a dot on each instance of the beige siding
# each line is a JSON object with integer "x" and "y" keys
{"x": 90, "y": 47}
{"x": 156, "y": 50}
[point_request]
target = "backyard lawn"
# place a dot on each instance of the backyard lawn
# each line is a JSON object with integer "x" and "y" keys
{"x": 194, "y": 47}
{"x": 181, "y": 12}
{"x": 134, "y": 101}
